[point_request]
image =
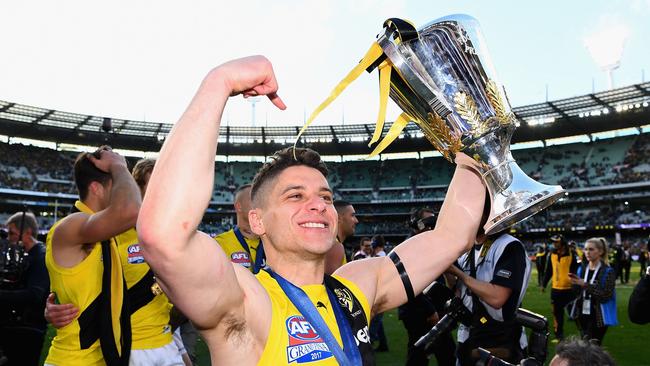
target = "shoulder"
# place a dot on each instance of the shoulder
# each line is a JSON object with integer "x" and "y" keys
{"x": 355, "y": 292}
{"x": 224, "y": 235}
{"x": 67, "y": 230}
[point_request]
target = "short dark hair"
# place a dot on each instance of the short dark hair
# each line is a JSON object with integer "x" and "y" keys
{"x": 341, "y": 204}
{"x": 85, "y": 172}
{"x": 283, "y": 159}
{"x": 240, "y": 189}
{"x": 378, "y": 241}
{"x": 29, "y": 221}
{"x": 365, "y": 238}
{"x": 418, "y": 214}
{"x": 579, "y": 352}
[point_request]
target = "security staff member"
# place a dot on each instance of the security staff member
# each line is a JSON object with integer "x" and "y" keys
{"x": 492, "y": 281}
{"x": 240, "y": 244}
{"x": 22, "y": 325}
{"x": 561, "y": 262}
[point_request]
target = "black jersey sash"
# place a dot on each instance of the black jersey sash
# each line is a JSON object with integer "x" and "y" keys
{"x": 356, "y": 318}
{"x": 349, "y": 355}
{"x": 259, "y": 255}
{"x": 141, "y": 294}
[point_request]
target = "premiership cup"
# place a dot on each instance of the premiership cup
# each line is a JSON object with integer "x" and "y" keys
{"x": 442, "y": 78}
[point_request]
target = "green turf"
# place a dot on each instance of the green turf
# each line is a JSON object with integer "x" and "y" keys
{"x": 626, "y": 342}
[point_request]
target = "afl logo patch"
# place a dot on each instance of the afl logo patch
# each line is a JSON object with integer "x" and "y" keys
{"x": 241, "y": 258}
{"x": 305, "y": 345}
{"x": 134, "y": 256}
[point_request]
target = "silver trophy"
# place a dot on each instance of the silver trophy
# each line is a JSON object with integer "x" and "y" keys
{"x": 445, "y": 82}
{"x": 442, "y": 77}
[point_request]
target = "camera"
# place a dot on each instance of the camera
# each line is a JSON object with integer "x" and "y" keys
{"x": 12, "y": 264}
{"x": 456, "y": 311}
{"x": 487, "y": 359}
{"x": 537, "y": 342}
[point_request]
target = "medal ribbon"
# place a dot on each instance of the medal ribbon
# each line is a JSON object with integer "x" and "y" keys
{"x": 349, "y": 355}
{"x": 259, "y": 255}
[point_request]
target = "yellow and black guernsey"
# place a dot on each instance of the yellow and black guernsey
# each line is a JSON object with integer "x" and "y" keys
{"x": 101, "y": 334}
{"x": 149, "y": 308}
{"x": 292, "y": 339}
{"x": 242, "y": 250}
{"x": 558, "y": 268}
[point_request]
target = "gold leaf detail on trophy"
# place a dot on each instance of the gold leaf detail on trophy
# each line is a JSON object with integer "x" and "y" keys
{"x": 467, "y": 109}
{"x": 498, "y": 104}
{"x": 440, "y": 130}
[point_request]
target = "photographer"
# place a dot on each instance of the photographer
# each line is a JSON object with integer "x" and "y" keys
{"x": 421, "y": 313}
{"x": 492, "y": 279}
{"x": 22, "y": 325}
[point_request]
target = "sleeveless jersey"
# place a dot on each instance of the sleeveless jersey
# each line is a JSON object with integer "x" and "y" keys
{"x": 344, "y": 261}
{"x": 561, "y": 268}
{"x": 149, "y": 313}
{"x": 291, "y": 337}
{"x": 78, "y": 342}
{"x": 235, "y": 251}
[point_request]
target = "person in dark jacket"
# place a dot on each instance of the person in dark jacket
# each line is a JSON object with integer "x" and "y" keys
{"x": 596, "y": 282}
{"x": 22, "y": 324}
{"x": 638, "y": 308}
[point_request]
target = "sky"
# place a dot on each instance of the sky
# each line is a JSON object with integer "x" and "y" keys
{"x": 143, "y": 60}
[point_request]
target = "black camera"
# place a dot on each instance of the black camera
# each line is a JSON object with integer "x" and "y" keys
{"x": 537, "y": 342}
{"x": 456, "y": 311}
{"x": 487, "y": 359}
{"x": 12, "y": 264}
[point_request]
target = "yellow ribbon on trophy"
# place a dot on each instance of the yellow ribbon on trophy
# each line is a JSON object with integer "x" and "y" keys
{"x": 385, "y": 68}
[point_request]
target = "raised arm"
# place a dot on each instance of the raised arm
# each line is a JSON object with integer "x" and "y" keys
{"x": 427, "y": 255}
{"x": 192, "y": 268}
{"x": 120, "y": 214}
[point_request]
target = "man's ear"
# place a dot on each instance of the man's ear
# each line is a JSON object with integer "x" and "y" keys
{"x": 237, "y": 206}
{"x": 94, "y": 187}
{"x": 255, "y": 221}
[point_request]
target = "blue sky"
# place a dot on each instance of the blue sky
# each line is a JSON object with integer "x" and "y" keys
{"x": 143, "y": 60}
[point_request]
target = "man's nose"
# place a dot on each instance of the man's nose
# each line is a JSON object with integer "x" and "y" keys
{"x": 316, "y": 203}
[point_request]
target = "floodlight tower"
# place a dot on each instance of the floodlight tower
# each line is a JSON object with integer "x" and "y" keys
{"x": 606, "y": 49}
{"x": 253, "y": 101}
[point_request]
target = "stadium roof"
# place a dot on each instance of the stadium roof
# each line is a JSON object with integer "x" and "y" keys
{"x": 604, "y": 111}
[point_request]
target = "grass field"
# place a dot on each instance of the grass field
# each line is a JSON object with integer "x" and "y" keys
{"x": 628, "y": 343}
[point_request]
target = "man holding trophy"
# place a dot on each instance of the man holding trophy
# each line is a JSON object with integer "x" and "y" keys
{"x": 292, "y": 311}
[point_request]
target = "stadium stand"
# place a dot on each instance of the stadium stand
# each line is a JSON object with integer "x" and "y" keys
{"x": 608, "y": 179}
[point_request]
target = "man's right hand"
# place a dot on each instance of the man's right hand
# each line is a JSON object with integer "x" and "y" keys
{"x": 250, "y": 76}
{"x": 59, "y": 315}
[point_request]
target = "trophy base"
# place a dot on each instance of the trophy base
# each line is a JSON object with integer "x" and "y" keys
{"x": 523, "y": 198}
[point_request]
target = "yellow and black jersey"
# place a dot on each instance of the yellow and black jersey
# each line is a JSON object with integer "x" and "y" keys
{"x": 78, "y": 343}
{"x": 149, "y": 310}
{"x": 240, "y": 249}
{"x": 292, "y": 339}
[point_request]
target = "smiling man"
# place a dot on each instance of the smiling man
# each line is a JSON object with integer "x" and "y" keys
{"x": 292, "y": 312}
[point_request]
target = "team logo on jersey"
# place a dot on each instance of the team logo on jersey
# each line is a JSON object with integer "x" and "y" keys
{"x": 305, "y": 345}
{"x": 241, "y": 258}
{"x": 345, "y": 298}
{"x": 134, "y": 254}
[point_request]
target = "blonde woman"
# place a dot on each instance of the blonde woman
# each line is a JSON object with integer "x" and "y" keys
{"x": 595, "y": 307}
